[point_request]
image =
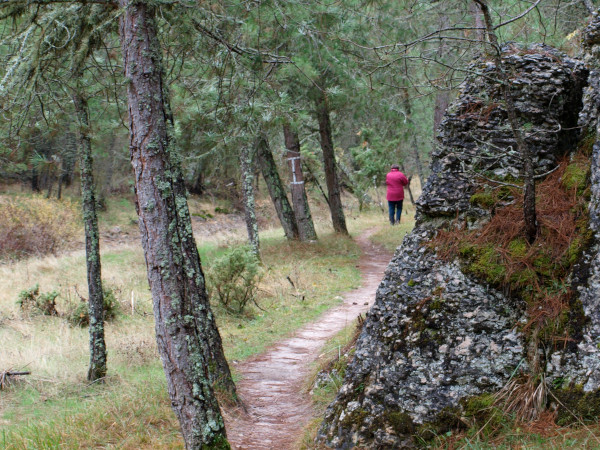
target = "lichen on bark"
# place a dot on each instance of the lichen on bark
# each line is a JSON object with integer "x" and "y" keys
{"x": 188, "y": 340}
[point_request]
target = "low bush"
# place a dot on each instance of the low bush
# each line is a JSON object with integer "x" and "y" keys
{"x": 32, "y": 301}
{"x": 79, "y": 315}
{"x": 36, "y": 226}
{"x": 233, "y": 279}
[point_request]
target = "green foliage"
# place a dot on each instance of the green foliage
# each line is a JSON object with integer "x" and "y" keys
{"x": 79, "y": 315}
{"x": 578, "y": 405}
{"x": 233, "y": 279}
{"x": 41, "y": 303}
{"x": 488, "y": 198}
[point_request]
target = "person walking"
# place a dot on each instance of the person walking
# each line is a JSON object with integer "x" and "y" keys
{"x": 395, "y": 181}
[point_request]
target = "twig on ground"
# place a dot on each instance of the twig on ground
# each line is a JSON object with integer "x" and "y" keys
{"x": 5, "y": 375}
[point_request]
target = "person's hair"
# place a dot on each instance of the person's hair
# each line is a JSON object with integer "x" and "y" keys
{"x": 395, "y": 166}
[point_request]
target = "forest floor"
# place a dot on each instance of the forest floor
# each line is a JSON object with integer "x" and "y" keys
{"x": 272, "y": 387}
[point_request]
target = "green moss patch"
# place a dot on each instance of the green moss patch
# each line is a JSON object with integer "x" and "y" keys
{"x": 488, "y": 264}
{"x": 484, "y": 199}
{"x": 576, "y": 176}
{"x": 575, "y": 405}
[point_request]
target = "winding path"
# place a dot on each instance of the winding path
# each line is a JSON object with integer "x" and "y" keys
{"x": 272, "y": 384}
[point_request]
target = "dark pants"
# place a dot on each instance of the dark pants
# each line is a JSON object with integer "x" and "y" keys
{"x": 397, "y": 206}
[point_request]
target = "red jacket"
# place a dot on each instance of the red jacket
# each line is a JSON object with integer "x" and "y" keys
{"x": 395, "y": 181}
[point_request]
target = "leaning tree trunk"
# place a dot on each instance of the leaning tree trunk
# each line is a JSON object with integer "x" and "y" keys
{"x": 188, "y": 340}
{"x": 247, "y": 163}
{"x": 529, "y": 212}
{"x": 442, "y": 97}
{"x": 97, "y": 369}
{"x": 59, "y": 190}
{"x": 276, "y": 190}
{"x": 35, "y": 180}
{"x": 306, "y": 227}
{"x": 333, "y": 185}
{"x": 415, "y": 147}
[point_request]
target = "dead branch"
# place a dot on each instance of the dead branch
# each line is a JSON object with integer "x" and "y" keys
{"x": 5, "y": 376}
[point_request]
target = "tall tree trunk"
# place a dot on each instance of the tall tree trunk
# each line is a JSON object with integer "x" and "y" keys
{"x": 196, "y": 186}
{"x": 333, "y": 185}
{"x": 276, "y": 190}
{"x": 50, "y": 178}
{"x": 479, "y": 23}
{"x": 306, "y": 227}
{"x": 187, "y": 337}
{"x": 35, "y": 180}
{"x": 442, "y": 97}
{"x": 415, "y": 146}
{"x": 97, "y": 369}
{"x": 529, "y": 212}
{"x": 60, "y": 183}
{"x": 247, "y": 163}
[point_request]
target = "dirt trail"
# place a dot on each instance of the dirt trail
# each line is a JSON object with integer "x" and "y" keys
{"x": 272, "y": 384}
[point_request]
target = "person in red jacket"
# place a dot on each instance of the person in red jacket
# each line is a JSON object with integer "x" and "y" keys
{"x": 395, "y": 181}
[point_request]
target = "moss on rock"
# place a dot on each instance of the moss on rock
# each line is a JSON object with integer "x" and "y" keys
{"x": 575, "y": 405}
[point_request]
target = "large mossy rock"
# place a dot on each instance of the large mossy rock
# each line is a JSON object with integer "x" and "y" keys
{"x": 438, "y": 341}
{"x": 575, "y": 369}
{"x": 475, "y": 135}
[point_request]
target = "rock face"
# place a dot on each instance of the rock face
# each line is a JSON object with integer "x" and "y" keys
{"x": 579, "y": 363}
{"x": 436, "y": 338}
{"x": 475, "y": 135}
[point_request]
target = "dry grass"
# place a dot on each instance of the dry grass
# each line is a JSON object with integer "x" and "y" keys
{"x": 525, "y": 397}
{"x": 55, "y": 407}
{"x": 36, "y": 226}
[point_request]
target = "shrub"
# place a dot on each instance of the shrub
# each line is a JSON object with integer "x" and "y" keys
{"x": 233, "y": 279}
{"x": 80, "y": 316}
{"x": 36, "y": 226}
{"x": 31, "y": 300}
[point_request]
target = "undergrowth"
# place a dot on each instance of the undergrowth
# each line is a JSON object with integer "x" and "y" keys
{"x": 36, "y": 226}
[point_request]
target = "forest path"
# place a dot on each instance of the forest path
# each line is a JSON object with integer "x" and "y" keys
{"x": 272, "y": 385}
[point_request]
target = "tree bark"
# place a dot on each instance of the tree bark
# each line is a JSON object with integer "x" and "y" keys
{"x": 35, "y": 180}
{"x": 442, "y": 97}
{"x": 306, "y": 227}
{"x": 247, "y": 163}
{"x": 529, "y": 207}
{"x": 415, "y": 146}
{"x": 196, "y": 186}
{"x": 277, "y": 191}
{"x": 186, "y": 333}
{"x": 333, "y": 185}
{"x": 97, "y": 369}
{"x": 59, "y": 191}
{"x": 478, "y": 18}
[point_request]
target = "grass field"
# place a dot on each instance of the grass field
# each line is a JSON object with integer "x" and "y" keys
{"x": 55, "y": 407}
